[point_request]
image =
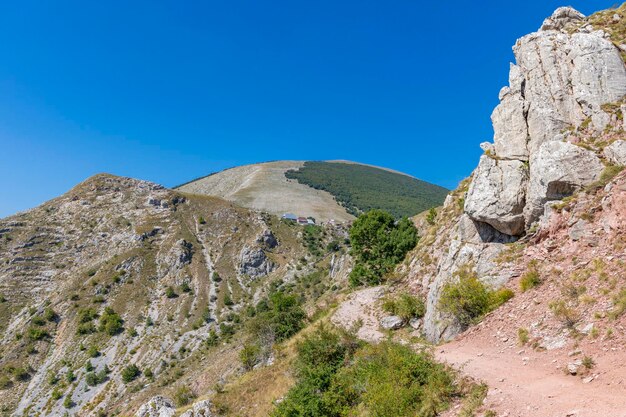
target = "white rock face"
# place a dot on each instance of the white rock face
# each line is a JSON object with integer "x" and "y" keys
{"x": 509, "y": 119}
{"x": 199, "y": 409}
{"x": 557, "y": 170}
{"x": 157, "y": 407}
{"x": 616, "y": 152}
{"x": 391, "y": 322}
{"x": 561, "y": 79}
{"x": 497, "y": 194}
{"x": 467, "y": 247}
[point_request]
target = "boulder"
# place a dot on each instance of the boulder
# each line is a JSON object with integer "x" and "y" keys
{"x": 199, "y": 409}
{"x": 391, "y": 322}
{"x": 563, "y": 18}
{"x": 157, "y": 407}
{"x": 557, "y": 170}
{"x": 496, "y": 195}
{"x": 268, "y": 239}
{"x": 254, "y": 263}
{"x": 616, "y": 152}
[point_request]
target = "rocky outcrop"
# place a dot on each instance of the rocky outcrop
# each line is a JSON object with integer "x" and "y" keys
{"x": 199, "y": 409}
{"x": 616, "y": 152}
{"x": 494, "y": 196}
{"x": 157, "y": 407}
{"x": 254, "y": 262}
{"x": 563, "y": 77}
{"x": 564, "y": 73}
{"x": 267, "y": 239}
{"x": 557, "y": 170}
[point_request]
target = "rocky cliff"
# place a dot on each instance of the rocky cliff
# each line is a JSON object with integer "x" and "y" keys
{"x": 558, "y": 128}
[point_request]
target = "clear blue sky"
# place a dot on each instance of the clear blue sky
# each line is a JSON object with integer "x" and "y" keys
{"x": 169, "y": 91}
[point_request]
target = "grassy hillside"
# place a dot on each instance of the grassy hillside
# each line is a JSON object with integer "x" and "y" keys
{"x": 360, "y": 188}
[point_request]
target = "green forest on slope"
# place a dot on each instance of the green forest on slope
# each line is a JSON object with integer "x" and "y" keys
{"x": 360, "y": 188}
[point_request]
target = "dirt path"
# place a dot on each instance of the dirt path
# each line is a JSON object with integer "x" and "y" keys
{"x": 525, "y": 384}
{"x": 522, "y": 382}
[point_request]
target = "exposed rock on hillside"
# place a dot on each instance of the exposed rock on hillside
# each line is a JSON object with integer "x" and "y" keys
{"x": 553, "y": 131}
{"x": 121, "y": 272}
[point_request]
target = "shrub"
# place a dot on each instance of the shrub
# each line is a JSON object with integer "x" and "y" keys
{"x": 336, "y": 376}
{"x": 619, "y": 305}
{"x": 405, "y": 306}
{"x": 530, "y": 280}
{"x": 522, "y": 336}
{"x": 468, "y": 299}
{"x": 201, "y": 220}
{"x": 69, "y": 376}
{"x": 85, "y": 328}
{"x": 278, "y": 318}
{"x": 249, "y": 355}
{"x": 50, "y": 315}
{"x": 170, "y": 293}
{"x": 212, "y": 338}
{"x": 38, "y": 321}
{"x": 588, "y": 362}
{"x": 92, "y": 379}
{"x": 130, "y": 373}
{"x": 183, "y": 396}
{"x": 564, "y": 313}
{"x": 93, "y": 351}
{"x": 227, "y": 300}
{"x": 21, "y": 374}
{"x": 111, "y": 322}
{"x": 85, "y": 315}
{"x": 56, "y": 394}
{"x": 37, "y": 334}
{"x": 431, "y": 217}
{"x": 5, "y": 382}
{"x": 88, "y": 366}
{"x": 378, "y": 244}
{"x": 185, "y": 287}
{"x": 68, "y": 403}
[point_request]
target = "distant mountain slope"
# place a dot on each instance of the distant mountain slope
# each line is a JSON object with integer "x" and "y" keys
{"x": 364, "y": 187}
{"x": 324, "y": 190}
{"x": 264, "y": 187}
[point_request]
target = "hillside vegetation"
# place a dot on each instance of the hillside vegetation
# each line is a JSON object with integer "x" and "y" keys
{"x": 360, "y": 188}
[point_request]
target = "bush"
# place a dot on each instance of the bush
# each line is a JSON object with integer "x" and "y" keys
{"x": 227, "y": 300}
{"x": 92, "y": 379}
{"x": 93, "y": 351}
{"x": 530, "y": 280}
{"x": 21, "y": 374}
{"x": 336, "y": 376}
{"x": 111, "y": 322}
{"x": 170, "y": 293}
{"x": 564, "y": 313}
{"x": 37, "y": 334}
{"x": 277, "y": 318}
{"x": 68, "y": 403}
{"x": 85, "y": 328}
{"x": 378, "y": 244}
{"x": 5, "y": 382}
{"x": 183, "y": 396}
{"x": 468, "y": 299}
{"x": 130, "y": 373}
{"x": 85, "y": 315}
{"x": 212, "y": 338}
{"x": 50, "y": 315}
{"x": 249, "y": 355}
{"x": 522, "y": 336}
{"x": 405, "y": 306}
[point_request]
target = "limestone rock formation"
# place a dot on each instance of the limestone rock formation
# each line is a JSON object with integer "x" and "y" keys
{"x": 199, "y": 409}
{"x": 562, "y": 78}
{"x": 496, "y": 196}
{"x": 157, "y": 407}
{"x": 616, "y": 152}
{"x": 254, "y": 262}
{"x": 557, "y": 170}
